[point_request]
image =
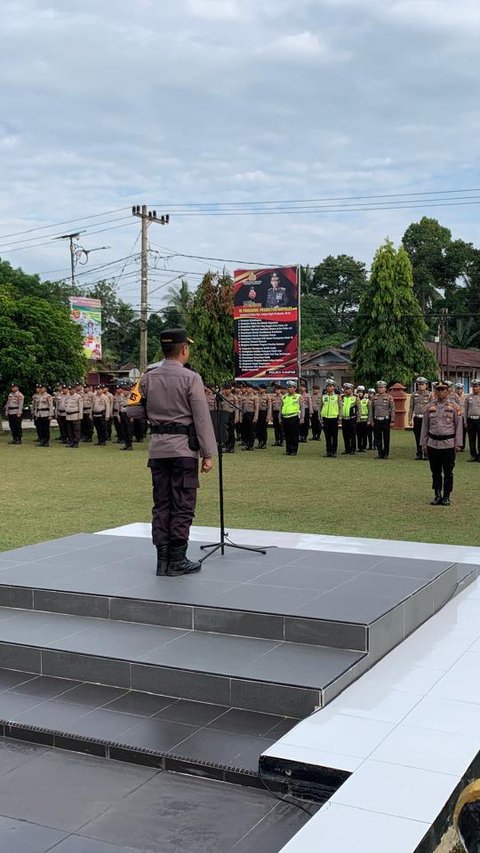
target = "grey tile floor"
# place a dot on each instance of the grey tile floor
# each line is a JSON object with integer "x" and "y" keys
{"x": 191, "y": 730}
{"x": 286, "y": 581}
{"x": 55, "y": 801}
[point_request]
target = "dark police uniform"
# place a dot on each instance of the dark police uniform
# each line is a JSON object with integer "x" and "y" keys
{"x": 276, "y": 298}
{"x": 173, "y": 399}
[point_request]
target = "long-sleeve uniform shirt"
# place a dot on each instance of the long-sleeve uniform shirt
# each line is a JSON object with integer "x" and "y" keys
{"x": 14, "y": 404}
{"x": 472, "y": 406}
{"x": 173, "y": 394}
{"x": 74, "y": 407}
{"x": 44, "y": 406}
{"x": 381, "y": 407}
{"x": 419, "y": 401}
{"x": 442, "y": 426}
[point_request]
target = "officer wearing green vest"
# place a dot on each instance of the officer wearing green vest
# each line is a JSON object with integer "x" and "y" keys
{"x": 362, "y": 419}
{"x": 291, "y": 418}
{"x": 331, "y": 414}
{"x": 349, "y": 420}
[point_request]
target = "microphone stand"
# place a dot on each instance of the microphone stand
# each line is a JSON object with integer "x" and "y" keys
{"x": 224, "y": 541}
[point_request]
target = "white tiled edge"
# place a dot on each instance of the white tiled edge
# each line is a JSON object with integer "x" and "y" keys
{"x": 406, "y": 730}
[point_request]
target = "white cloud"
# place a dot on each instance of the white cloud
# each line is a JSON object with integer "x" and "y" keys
{"x": 215, "y": 10}
{"x": 303, "y": 47}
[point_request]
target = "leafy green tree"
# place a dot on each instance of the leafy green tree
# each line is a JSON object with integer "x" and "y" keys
{"x": 437, "y": 260}
{"x": 318, "y": 324}
{"x": 211, "y": 327}
{"x": 120, "y": 325}
{"x": 339, "y": 282}
{"x": 390, "y": 328}
{"x": 38, "y": 342}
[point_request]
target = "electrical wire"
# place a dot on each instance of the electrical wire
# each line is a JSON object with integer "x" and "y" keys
{"x": 331, "y": 198}
{"x": 66, "y": 222}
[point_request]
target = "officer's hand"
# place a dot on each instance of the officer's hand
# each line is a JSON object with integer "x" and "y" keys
{"x": 207, "y": 465}
{"x": 458, "y": 449}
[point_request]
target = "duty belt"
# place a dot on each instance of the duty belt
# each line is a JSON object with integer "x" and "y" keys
{"x": 170, "y": 429}
{"x": 381, "y": 419}
{"x": 441, "y": 437}
{"x": 473, "y": 418}
{"x": 418, "y": 416}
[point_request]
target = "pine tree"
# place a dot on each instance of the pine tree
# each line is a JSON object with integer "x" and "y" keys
{"x": 390, "y": 327}
{"x": 211, "y": 327}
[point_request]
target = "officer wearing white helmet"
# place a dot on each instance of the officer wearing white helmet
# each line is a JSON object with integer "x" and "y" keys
{"x": 362, "y": 418}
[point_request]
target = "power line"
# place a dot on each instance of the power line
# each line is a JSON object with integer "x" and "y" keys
{"x": 331, "y": 198}
{"x": 66, "y": 222}
{"x": 317, "y": 210}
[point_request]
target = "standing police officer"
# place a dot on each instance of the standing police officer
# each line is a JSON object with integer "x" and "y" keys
{"x": 349, "y": 419}
{"x": 291, "y": 406}
{"x": 173, "y": 400}
{"x": 382, "y": 416}
{"x": 44, "y": 414}
{"x": 441, "y": 437}
{"x": 331, "y": 414}
{"x": 13, "y": 412}
{"x": 419, "y": 401}
{"x": 472, "y": 414}
{"x": 362, "y": 418}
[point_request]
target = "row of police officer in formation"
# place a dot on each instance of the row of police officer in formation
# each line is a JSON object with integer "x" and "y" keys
{"x": 80, "y": 411}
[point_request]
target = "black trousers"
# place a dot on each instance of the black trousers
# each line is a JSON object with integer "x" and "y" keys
{"x": 127, "y": 430}
{"x": 118, "y": 427}
{"x": 381, "y": 430}
{"x": 15, "y": 424}
{"x": 43, "y": 429}
{"x": 349, "y": 430}
{"x": 362, "y": 435}
{"x": 473, "y": 429}
{"x": 62, "y": 426}
{"x": 417, "y": 430}
{"x": 261, "y": 428}
{"x": 442, "y": 463}
{"x": 230, "y": 441}
{"x": 248, "y": 431}
{"x": 87, "y": 427}
{"x": 291, "y": 428}
{"x": 277, "y": 427}
{"x": 139, "y": 429}
{"x": 73, "y": 432}
{"x": 37, "y": 428}
{"x": 330, "y": 430}
{"x": 175, "y": 484}
{"x": 305, "y": 427}
{"x": 316, "y": 428}
{"x": 370, "y": 436}
{"x": 100, "y": 425}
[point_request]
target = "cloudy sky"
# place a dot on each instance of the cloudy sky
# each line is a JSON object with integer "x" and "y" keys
{"x": 106, "y": 103}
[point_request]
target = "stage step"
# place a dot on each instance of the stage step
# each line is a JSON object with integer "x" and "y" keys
{"x": 159, "y": 731}
{"x": 269, "y": 676}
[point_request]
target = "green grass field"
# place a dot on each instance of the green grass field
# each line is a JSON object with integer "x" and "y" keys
{"x": 52, "y": 492}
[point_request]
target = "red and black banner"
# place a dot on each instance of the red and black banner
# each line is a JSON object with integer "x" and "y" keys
{"x": 266, "y": 323}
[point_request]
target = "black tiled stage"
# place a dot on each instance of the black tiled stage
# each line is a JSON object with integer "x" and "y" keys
{"x": 194, "y": 671}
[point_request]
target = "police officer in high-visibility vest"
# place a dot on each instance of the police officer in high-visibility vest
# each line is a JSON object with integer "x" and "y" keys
{"x": 331, "y": 414}
{"x": 362, "y": 418}
{"x": 349, "y": 419}
{"x": 291, "y": 418}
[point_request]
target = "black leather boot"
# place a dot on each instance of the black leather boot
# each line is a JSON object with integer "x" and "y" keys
{"x": 437, "y": 499}
{"x": 179, "y": 564}
{"x": 445, "y": 500}
{"x": 162, "y": 559}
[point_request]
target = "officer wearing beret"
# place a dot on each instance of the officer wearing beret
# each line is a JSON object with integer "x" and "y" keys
{"x": 173, "y": 400}
{"x": 44, "y": 414}
{"x": 441, "y": 437}
{"x": 419, "y": 401}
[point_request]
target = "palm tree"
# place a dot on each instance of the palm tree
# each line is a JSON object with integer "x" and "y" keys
{"x": 179, "y": 300}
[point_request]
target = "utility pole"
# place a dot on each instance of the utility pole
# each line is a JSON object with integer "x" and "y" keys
{"x": 71, "y": 238}
{"x": 146, "y": 216}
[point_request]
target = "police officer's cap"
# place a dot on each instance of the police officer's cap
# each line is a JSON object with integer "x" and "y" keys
{"x": 348, "y": 385}
{"x": 442, "y": 384}
{"x": 290, "y": 384}
{"x": 330, "y": 382}
{"x": 360, "y": 387}
{"x": 14, "y": 385}
{"x": 475, "y": 381}
{"x": 371, "y": 390}
{"x": 381, "y": 384}
{"x": 458, "y": 384}
{"x": 174, "y": 336}
{"x": 422, "y": 379}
